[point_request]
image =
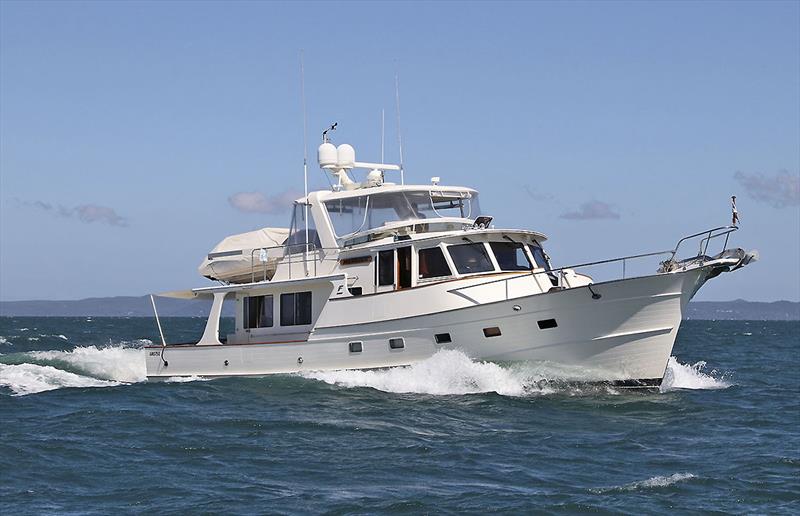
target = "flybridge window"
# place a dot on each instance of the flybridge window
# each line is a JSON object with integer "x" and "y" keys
{"x": 511, "y": 256}
{"x": 296, "y": 243}
{"x": 295, "y": 308}
{"x": 352, "y": 215}
{"x": 470, "y": 258}
{"x": 258, "y": 312}
{"x": 432, "y": 263}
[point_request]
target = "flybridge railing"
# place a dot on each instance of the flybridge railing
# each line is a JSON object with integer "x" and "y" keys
{"x": 559, "y": 274}
{"x": 291, "y": 254}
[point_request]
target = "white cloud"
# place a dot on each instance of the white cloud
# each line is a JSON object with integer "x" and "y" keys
{"x": 86, "y": 213}
{"x": 592, "y": 210}
{"x": 779, "y": 191}
{"x": 257, "y": 202}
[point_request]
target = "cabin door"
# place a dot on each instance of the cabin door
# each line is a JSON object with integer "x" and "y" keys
{"x": 404, "y": 267}
{"x": 385, "y": 271}
{"x": 393, "y": 269}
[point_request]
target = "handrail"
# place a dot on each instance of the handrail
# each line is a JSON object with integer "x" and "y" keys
{"x": 724, "y": 230}
{"x": 560, "y": 270}
{"x": 306, "y": 249}
{"x": 710, "y": 235}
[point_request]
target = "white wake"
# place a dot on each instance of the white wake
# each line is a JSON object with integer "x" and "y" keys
{"x": 451, "y": 372}
{"x": 82, "y": 367}
{"x": 448, "y": 372}
{"x": 684, "y": 376}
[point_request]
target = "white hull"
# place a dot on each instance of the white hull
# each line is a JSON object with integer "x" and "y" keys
{"x": 625, "y": 335}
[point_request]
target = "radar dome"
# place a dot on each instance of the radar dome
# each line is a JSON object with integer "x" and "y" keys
{"x": 327, "y": 155}
{"x": 346, "y": 155}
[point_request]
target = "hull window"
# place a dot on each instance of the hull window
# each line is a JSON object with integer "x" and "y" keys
{"x": 432, "y": 263}
{"x": 442, "y": 338}
{"x": 470, "y": 258}
{"x": 258, "y": 312}
{"x": 494, "y": 331}
{"x": 295, "y": 308}
{"x": 356, "y": 347}
{"x": 398, "y": 343}
{"x": 511, "y": 256}
{"x": 546, "y": 324}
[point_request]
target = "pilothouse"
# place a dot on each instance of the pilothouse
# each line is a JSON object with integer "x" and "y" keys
{"x": 379, "y": 274}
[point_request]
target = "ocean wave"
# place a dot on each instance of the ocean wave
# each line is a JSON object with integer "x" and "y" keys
{"x": 650, "y": 483}
{"x": 685, "y": 376}
{"x": 24, "y": 379}
{"x": 118, "y": 363}
{"x": 90, "y": 366}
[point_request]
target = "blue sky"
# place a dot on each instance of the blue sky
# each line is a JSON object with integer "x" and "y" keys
{"x": 615, "y": 128}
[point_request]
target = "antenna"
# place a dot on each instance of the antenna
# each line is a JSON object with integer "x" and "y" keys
{"x": 399, "y": 134}
{"x": 325, "y": 138}
{"x": 383, "y": 132}
{"x": 305, "y": 143}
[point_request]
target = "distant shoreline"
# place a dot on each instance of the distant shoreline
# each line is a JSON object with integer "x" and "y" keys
{"x": 139, "y": 306}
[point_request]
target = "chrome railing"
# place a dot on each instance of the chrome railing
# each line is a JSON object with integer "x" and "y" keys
{"x": 708, "y": 236}
{"x": 560, "y": 272}
{"x": 291, "y": 254}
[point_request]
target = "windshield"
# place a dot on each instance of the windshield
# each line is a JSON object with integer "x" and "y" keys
{"x": 362, "y": 213}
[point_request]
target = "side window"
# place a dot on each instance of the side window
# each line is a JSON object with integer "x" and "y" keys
{"x": 295, "y": 308}
{"x": 386, "y": 267}
{"x": 432, "y": 263}
{"x": 511, "y": 256}
{"x": 258, "y": 312}
{"x": 469, "y": 258}
{"x": 538, "y": 256}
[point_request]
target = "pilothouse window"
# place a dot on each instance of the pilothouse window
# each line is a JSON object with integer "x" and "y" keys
{"x": 432, "y": 263}
{"x": 470, "y": 258}
{"x": 539, "y": 256}
{"x": 511, "y": 256}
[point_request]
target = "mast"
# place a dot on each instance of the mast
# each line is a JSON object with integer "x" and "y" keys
{"x": 305, "y": 152}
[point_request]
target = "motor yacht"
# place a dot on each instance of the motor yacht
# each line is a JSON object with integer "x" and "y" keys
{"x": 375, "y": 274}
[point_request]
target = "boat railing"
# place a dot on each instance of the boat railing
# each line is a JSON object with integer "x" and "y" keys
{"x": 305, "y": 253}
{"x": 559, "y": 274}
{"x": 707, "y": 237}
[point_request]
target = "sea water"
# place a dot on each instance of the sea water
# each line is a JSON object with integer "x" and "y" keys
{"x": 81, "y": 431}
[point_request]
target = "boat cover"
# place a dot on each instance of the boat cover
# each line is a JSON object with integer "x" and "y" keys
{"x": 238, "y": 258}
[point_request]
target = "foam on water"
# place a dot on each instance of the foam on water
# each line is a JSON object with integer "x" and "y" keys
{"x": 89, "y": 366}
{"x": 450, "y": 372}
{"x": 650, "y": 483}
{"x": 118, "y": 363}
{"x": 446, "y": 372}
{"x": 32, "y": 378}
{"x": 684, "y": 376}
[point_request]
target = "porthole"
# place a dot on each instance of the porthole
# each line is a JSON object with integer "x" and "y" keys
{"x": 442, "y": 338}
{"x": 356, "y": 347}
{"x": 494, "y": 331}
{"x": 546, "y": 324}
{"x": 397, "y": 343}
